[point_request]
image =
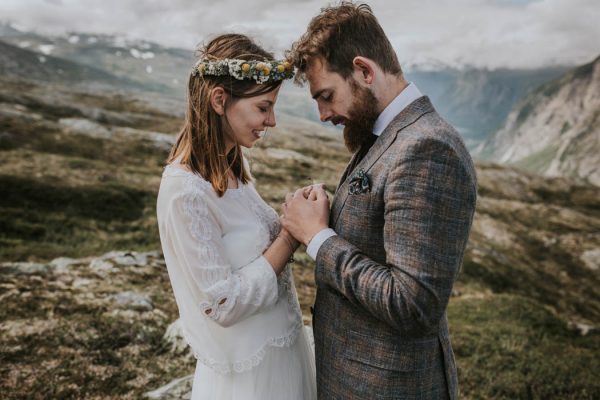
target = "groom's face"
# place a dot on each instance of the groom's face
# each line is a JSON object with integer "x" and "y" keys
{"x": 343, "y": 101}
{"x": 331, "y": 91}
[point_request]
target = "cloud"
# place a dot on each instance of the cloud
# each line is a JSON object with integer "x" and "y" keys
{"x": 485, "y": 33}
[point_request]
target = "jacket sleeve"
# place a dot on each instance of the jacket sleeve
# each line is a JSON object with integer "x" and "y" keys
{"x": 224, "y": 295}
{"x": 429, "y": 201}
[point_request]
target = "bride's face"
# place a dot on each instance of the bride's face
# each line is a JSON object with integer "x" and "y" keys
{"x": 248, "y": 118}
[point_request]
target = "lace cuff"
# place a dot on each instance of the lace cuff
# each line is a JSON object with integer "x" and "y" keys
{"x": 247, "y": 291}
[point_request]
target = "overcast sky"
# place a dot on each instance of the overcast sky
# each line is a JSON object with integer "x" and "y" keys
{"x": 484, "y": 33}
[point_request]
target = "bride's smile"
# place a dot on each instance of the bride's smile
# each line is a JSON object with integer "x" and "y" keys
{"x": 247, "y": 119}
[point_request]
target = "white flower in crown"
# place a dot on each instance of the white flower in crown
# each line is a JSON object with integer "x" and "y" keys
{"x": 235, "y": 68}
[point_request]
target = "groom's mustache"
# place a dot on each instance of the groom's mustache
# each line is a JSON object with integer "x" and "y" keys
{"x": 338, "y": 120}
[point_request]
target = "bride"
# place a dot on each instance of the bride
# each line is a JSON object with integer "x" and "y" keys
{"x": 224, "y": 247}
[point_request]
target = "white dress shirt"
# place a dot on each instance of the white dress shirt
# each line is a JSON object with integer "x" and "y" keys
{"x": 409, "y": 94}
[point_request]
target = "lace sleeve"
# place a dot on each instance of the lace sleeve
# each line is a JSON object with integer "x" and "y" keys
{"x": 225, "y": 296}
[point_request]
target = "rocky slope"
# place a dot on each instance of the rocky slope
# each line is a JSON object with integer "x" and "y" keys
{"x": 79, "y": 175}
{"x": 477, "y": 101}
{"x": 87, "y": 166}
{"x": 556, "y": 129}
{"x": 524, "y": 314}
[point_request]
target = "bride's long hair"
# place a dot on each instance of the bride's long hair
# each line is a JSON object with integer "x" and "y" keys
{"x": 201, "y": 142}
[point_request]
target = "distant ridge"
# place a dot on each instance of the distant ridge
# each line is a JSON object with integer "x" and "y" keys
{"x": 26, "y": 64}
{"x": 555, "y": 130}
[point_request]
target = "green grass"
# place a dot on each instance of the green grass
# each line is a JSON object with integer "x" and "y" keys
{"x": 539, "y": 161}
{"x": 511, "y": 347}
{"x": 104, "y": 203}
{"x": 43, "y": 220}
{"x": 73, "y": 195}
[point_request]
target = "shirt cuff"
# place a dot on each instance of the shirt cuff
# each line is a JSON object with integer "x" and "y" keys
{"x": 315, "y": 243}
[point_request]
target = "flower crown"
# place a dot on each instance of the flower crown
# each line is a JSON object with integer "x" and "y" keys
{"x": 259, "y": 71}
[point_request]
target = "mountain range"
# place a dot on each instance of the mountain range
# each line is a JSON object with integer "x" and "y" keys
{"x": 476, "y": 101}
{"x": 554, "y": 130}
{"x": 544, "y": 120}
{"x": 138, "y": 64}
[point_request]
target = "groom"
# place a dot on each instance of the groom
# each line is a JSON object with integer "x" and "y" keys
{"x": 389, "y": 251}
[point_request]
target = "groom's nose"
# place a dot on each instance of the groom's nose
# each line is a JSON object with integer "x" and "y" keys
{"x": 325, "y": 114}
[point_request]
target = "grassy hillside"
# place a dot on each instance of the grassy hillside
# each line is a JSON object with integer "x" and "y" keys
{"x": 79, "y": 175}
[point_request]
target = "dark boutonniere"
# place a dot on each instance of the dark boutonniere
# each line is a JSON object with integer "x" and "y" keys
{"x": 359, "y": 183}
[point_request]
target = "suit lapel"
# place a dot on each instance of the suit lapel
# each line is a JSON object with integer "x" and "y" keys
{"x": 405, "y": 118}
{"x": 347, "y": 170}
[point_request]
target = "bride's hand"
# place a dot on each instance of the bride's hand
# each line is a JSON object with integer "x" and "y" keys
{"x": 291, "y": 241}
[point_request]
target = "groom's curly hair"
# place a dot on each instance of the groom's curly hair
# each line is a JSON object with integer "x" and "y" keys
{"x": 337, "y": 35}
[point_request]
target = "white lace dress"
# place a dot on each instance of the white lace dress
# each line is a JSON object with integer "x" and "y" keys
{"x": 243, "y": 323}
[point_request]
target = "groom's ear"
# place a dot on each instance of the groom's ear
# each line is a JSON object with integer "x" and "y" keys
{"x": 217, "y": 100}
{"x": 364, "y": 70}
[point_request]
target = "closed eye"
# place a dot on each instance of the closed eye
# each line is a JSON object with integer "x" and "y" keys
{"x": 265, "y": 106}
{"x": 328, "y": 97}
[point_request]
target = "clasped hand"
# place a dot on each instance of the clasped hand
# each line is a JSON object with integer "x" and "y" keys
{"x": 306, "y": 212}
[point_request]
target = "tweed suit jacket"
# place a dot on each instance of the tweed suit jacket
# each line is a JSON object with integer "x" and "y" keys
{"x": 383, "y": 283}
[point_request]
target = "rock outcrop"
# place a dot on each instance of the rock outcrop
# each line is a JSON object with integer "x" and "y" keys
{"x": 556, "y": 129}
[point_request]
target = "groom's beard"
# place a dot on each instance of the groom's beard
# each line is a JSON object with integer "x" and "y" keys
{"x": 361, "y": 117}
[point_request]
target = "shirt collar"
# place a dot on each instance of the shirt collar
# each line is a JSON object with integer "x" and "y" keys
{"x": 409, "y": 94}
